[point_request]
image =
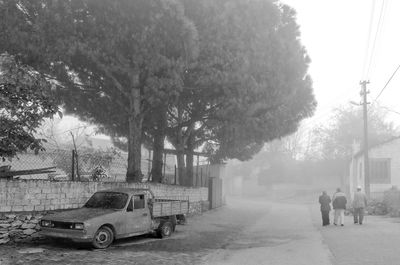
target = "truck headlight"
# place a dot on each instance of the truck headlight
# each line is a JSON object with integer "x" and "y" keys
{"x": 45, "y": 223}
{"x": 79, "y": 226}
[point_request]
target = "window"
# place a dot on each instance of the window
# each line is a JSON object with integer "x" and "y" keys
{"x": 107, "y": 200}
{"x": 379, "y": 169}
{"x": 138, "y": 201}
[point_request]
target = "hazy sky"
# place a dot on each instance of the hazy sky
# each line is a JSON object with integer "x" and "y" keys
{"x": 335, "y": 34}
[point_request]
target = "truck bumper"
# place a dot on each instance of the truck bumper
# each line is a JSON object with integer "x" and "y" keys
{"x": 74, "y": 235}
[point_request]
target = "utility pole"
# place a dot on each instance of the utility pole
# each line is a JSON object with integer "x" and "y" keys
{"x": 363, "y": 94}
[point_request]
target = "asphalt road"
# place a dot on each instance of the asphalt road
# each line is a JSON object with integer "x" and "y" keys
{"x": 251, "y": 231}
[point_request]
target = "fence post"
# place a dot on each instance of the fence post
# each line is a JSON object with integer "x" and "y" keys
{"x": 77, "y": 166}
{"x": 165, "y": 162}
{"x": 175, "y": 173}
{"x": 73, "y": 166}
{"x": 149, "y": 167}
{"x": 201, "y": 177}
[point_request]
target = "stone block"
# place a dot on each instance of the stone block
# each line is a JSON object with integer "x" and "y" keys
{"x": 34, "y": 202}
{"x": 28, "y": 208}
{"x": 17, "y": 208}
{"x": 39, "y": 208}
{"x": 5, "y": 208}
{"x": 28, "y": 226}
{"x": 16, "y": 223}
{"x": 29, "y": 231}
{"x": 5, "y": 225}
{"x": 51, "y": 196}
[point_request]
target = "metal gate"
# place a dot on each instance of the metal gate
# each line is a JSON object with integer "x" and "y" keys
{"x": 215, "y": 192}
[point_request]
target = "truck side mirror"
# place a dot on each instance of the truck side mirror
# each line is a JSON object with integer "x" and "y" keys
{"x": 130, "y": 206}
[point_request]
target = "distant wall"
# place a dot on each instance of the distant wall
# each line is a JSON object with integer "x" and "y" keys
{"x": 43, "y": 195}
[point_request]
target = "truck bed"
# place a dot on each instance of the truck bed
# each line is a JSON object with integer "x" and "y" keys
{"x": 168, "y": 207}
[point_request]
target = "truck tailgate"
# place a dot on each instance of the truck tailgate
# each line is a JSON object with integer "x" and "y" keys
{"x": 170, "y": 207}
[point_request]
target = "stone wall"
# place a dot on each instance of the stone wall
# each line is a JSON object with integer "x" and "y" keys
{"x": 23, "y": 202}
{"x": 43, "y": 195}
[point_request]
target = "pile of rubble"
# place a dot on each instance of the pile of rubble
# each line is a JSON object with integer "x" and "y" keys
{"x": 19, "y": 228}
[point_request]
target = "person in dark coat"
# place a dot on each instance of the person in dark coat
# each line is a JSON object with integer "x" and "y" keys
{"x": 339, "y": 202}
{"x": 325, "y": 201}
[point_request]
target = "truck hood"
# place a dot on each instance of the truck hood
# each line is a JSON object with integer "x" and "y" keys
{"x": 78, "y": 215}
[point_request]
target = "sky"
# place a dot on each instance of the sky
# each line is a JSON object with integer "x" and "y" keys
{"x": 336, "y": 36}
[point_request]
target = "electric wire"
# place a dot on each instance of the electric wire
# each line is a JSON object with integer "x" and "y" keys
{"x": 387, "y": 83}
{"x": 371, "y": 20}
{"x": 377, "y": 34}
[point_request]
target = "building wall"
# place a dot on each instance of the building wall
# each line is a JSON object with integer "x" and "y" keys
{"x": 389, "y": 150}
{"x": 42, "y": 195}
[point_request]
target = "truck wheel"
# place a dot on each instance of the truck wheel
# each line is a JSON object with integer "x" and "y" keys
{"x": 103, "y": 237}
{"x": 165, "y": 229}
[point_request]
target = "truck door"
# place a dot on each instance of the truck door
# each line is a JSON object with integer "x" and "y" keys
{"x": 138, "y": 217}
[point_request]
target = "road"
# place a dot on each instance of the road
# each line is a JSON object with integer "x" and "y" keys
{"x": 256, "y": 231}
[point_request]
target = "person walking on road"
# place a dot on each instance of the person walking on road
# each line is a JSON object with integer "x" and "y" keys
{"x": 339, "y": 202}
{"x": 325, "y": 201}
{"x": 359, "y": 203}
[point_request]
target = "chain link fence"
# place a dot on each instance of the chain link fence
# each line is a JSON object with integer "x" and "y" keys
{"x": 96, "y": 165}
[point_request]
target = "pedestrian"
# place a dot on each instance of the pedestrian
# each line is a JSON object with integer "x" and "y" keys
{"x": 339, "y": 202}
{"x": 325, "y": 201}
{"x": 359, "y": 203}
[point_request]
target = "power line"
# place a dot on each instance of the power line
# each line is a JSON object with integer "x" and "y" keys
{"x": 371, "y": 19}
{"x": 388, "y": 109}
{"x": 387, "y": 83}
{"x": 377, "y": 33}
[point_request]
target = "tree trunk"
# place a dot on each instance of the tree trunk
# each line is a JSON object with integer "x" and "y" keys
{"x": 189, "y": 162}
{"x": 180, "y": 158}
{"x": 134, "y": 172}
{"x": 158, "y": 147}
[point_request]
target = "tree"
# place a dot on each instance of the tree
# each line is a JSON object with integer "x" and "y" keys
{"x": 346, "y": 127}
{"x": 115, "y": 59}
{"x": 249, "y": 84}
{"x": 25, "y": 100}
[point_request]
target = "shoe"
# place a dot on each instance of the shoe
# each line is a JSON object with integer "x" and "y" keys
{"x": 360, "y": 223}
{"x": 355, "y": 223}
{"x": 334, "y": 224}
{"x": 342, "y": 224}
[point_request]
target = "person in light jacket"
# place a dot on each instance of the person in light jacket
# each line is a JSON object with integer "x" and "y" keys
{"x": 325, "y": 201}
{"x": 339, "y": 202}
{"x": 359, "y": 203}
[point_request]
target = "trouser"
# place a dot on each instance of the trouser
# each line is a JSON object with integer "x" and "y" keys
{"x": 325, "y": 217}
{"x": 339, "y": 216}
{"x": 358, "y": 215}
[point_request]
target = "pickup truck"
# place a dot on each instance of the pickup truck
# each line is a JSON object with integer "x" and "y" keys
{"x": 114, "y": 214}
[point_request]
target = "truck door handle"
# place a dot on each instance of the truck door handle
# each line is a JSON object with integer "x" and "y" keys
{"x": 145, "y": 214}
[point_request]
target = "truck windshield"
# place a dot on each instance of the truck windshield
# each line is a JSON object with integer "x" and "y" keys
{"x": 107, "y": 200}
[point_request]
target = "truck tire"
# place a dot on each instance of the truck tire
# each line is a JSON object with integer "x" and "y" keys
{"x": 165, "y": 229}
{"x": 103, "y": 238}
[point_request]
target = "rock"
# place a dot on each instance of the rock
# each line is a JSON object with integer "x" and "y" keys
{"x": 38, "y": 216}
{"x": 4, "y": 240}
{"x": 15, "y": 233}
{"x": 29, "y": 231}
{"x": 30, "y": 250}
{"x": 10, "y": 216}
{"x": 34, "y": 221}
{"x": 21, "y": 217}
{"x": 16, "y": 223}
{"x": 29, "y": 217}
{"x": 37, "y": 227}
{"x": 28, "y": 226}
{"x": 37, "y": 235}
{"x": 4, "y": 235}
{"x": 5, "y": 225}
